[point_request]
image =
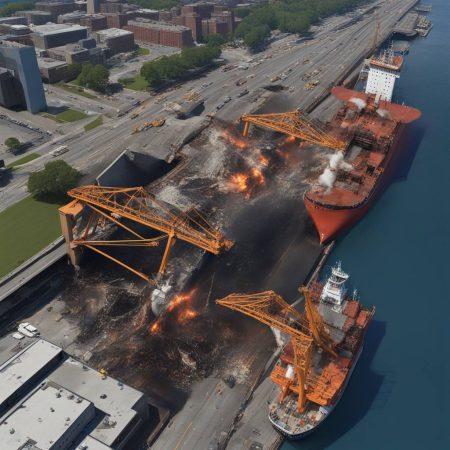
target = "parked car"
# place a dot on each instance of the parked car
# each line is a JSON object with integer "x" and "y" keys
{"x": 27, "y": 329}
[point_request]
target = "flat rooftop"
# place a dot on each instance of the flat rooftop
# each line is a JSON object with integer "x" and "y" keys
{"x": 48, "y": 63}
{"x": 145, "y": 23}
{"x": 21, "y": 368}
{"x": 110, "y": 396}
{"x": 56, "y": 28}
{"x": 113, "y": 32}
{"x": 48, "y": 415}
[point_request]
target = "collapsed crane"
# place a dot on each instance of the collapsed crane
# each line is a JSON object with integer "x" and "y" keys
{"x": 304, "y": 330}
{"x": 96, "y": 205}
{"x": 295, "y": 124}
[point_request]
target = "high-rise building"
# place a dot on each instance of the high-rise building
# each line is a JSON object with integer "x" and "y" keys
{"x": 21, "y": 61}
{"x": 93, "y": 6}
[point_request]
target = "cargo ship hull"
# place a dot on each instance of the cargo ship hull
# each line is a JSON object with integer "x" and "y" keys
{"x": 374, "y": 133}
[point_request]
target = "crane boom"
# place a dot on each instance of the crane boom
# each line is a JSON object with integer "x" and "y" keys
{"x": 271, "y": 309}
{"x": 295, "y": 124}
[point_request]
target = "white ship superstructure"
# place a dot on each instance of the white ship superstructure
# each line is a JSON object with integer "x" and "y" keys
{"x": 383, "y": 71}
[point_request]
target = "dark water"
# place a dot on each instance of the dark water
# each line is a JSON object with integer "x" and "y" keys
{"x": 399, "y": 396}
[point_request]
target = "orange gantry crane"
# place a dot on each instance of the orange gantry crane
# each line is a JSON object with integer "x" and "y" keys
{"x": 295, "y": 124}
{"x": 127, "y": 206}
{"x": 304, "y": 330}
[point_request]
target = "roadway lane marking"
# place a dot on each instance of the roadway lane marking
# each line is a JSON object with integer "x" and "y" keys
{"x": 182, "y": 436}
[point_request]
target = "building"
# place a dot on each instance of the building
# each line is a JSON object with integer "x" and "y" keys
{"x": 51, "y": 70}
{"x": 55, "y": 35}
{"x": 94, "y": 22}
{"x": 49, "y": 400}
{"x": 152, "y": 14}
{"x": 21, "y": 61}
{"x": 13, "y": 20}
{"x": 118, "y": 20}
{"x": 35, "y": 17}
{"x": 56, "y": 8}
{"x": 13, "y": 29}
{"x": 214, "y": 26}
{"x": 72, "y": 17}
{"x": 10, "y": 91}
{"x": 93, "y": 6}
{"x": 160, "y": 33}
{"x": 117, "y": 40}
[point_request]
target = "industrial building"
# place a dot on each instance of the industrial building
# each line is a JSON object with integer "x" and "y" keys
{"x": 160, "y": 33}
{"x": 55, "y": 35}
{"x": 20, "y": 61}
{"x": 49, "y": 400}
{"x": 51, "y": 70}
{"x": 117, "y": 40}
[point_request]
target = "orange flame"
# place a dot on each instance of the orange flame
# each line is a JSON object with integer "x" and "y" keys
{"x": 179, "y": 299}
{"x": 257, "y": 176}
{"x": 263, "y": 160}
{"x": 239, "y": 143}
{"x": 186, "y": 315}
{"x": 154, "y": 329}
{"x": 239, "y": 182}
{"x": 289, "y": 140}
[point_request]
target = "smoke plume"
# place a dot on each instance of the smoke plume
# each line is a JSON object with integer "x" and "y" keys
{"x": 327, "y": 178}
{"x": 359, "y": 102}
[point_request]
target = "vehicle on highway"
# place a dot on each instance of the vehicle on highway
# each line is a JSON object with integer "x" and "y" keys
{"x": 241, "y": 82}
{"x": 59, "y": 151}
{"x": 205, "y": 85}
{"x": 220, "y": 106}
{"x": 242, "y": 93}
{"x": 227, "y": 99}
{"x": 27, "y": 329}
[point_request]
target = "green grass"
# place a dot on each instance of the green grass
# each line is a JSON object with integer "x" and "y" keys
{"x": 78, "y": 90}
{"x": 69, "y": 115}
{"x": 138, "y": 83}
{"x": 26, "y": 228}
{"x": 23, "y": 160}
{"x": 94, "y": 124}
{"x": 142, "y": 51}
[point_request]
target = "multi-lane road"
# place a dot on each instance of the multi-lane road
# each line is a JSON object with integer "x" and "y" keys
{"x": 338, "y": 44}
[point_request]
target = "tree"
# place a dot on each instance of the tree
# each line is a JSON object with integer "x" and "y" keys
{"x": 93, "y": 77}
{"x": 13, "y": 144}
{"x": 53, "y": 182}
{"x": 215, "y": 40}
{"x": 73, "y": 70}
{"x": 257, "y": 36}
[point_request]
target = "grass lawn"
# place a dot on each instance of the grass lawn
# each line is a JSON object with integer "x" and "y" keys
{"x": 75, "y": 90}
{"x": 69, "y": 115}
{"x": 142, "y": 51}
{"x": 94, "y": 124}
{"x": 138, "y": 83}
{"x": 23, "y": 160}
{"x": 27, "y": 227}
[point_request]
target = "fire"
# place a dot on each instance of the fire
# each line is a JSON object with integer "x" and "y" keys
{"x": 187, "y": 314}
{"x": 239, "y": 182}
{"x": 257, "y": 176}
{"x": 289, "y": 140}
{"x": 154, "y": 329}
{"x": 239, "y": 143}
{"x": 263, "y": 160}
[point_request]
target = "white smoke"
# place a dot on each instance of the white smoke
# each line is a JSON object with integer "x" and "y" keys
{"x": 278, "y": 337}
{"x": 359, "y": 102}
{"x": 327, "y": 178}
{"x": 383, "y": 113}
{"x": 337, "y": 162}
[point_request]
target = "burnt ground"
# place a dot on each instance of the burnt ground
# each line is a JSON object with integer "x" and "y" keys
{"x": 275, "y": 248}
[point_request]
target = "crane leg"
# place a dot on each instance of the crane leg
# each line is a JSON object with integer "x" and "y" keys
{"x": 170, "y": 242}
{"x": 246, "y": 128}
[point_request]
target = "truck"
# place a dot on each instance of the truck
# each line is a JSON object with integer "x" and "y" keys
{"x": 59, "y": 151}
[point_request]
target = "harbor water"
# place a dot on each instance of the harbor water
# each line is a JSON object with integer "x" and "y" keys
{"x": 398, "y": 258}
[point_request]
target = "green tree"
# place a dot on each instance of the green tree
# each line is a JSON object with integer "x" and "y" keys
{"x": 13, "y": 144}
{"x": 11, "y": 8}
{"x": 215, "y": 40}
{"x": 257, "y": 36}
{"x": 53, "y": 182}
{"x": 151, "y": 73}
{"x": 93, "y": 77}
{"x": 73, "y": 70}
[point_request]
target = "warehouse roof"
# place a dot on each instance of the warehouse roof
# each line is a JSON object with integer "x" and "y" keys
{"x": 146, "y": 23}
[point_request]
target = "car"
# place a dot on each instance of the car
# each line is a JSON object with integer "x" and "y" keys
{"x": 220, "y": 106}
{"x": 227, "y": 99}
{"x": 59, "y": 151}
{"x": 28, "y": 330}
{"x": 242, "y": 93}
{"x": 18, "y": 336}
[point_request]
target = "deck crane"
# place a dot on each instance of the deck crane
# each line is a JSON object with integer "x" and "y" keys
{"x": 93, "y": 204}
{"x": 295, "y": 124}
{"x": 304, "y": 330}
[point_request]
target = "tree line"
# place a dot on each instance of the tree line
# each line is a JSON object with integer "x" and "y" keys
{"x": 290, "y": 16}
{"x": 92, "y": 76}
{"x": 176, "y": 67}
{"x": 10, "y": 8}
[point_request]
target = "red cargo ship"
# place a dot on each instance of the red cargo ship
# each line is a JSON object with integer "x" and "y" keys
{"x": 347, "y": 188}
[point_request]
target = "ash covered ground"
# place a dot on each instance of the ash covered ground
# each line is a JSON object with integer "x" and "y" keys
{"x": 252, "y": 190}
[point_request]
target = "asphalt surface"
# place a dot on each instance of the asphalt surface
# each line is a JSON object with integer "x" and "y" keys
{"x": 338, "y": 45}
